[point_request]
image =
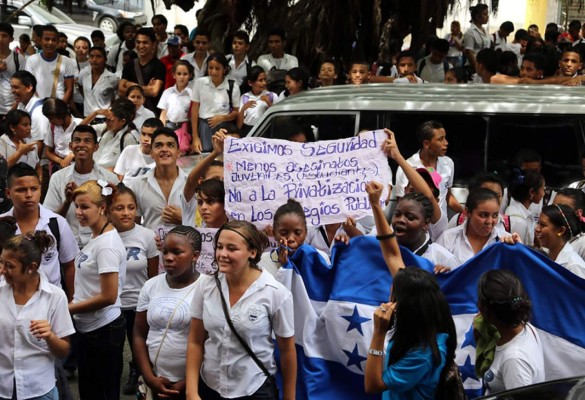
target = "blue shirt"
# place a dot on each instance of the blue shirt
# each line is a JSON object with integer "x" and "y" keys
{"x": 414, "y": 376}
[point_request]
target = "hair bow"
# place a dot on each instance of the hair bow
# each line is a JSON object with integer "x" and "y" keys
{"x": 106, "y": 190}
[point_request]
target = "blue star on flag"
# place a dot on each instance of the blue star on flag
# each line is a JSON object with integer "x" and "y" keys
{"x": 354, "y": 358}
{"x": 355, "y": 321}
{"x": 468, "y": 370}
{"x": 469, "y": 338}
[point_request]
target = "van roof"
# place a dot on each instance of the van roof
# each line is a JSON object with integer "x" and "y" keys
{"x": 467, "y": 98}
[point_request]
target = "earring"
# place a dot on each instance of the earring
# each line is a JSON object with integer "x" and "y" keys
{"x": 559, "y": 234}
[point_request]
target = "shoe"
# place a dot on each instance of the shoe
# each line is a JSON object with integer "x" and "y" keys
{"x": 131, "y": 387}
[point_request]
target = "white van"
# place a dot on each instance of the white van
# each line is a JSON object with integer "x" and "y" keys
{"x": 486, "y": 124}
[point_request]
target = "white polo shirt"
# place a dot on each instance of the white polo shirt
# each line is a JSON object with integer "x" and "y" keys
{"x": 8, "y": 148}
{"x": 572, "y": 261}
{"x": 56, "y": 195}
{"x": 24, "y": 359}
{"x": 239, "y": 73}
{"x": 132, "y": 163}
{"x": 267, "y": 62}
{"x": 6, "y": 97}
{"x": 266, "y": 308}
{"x": 455, "y": 240}
{"x": 176, "y": 103}
{"x": 522, "y": 221}
{"x": 437, "y": 254}
{"x": 118, "y": 50}
{"x": 100, "y": 95}
{"x": 253, "y": 114}
{"x": 142, "y": 114}
{"x": 50, "y": 262}
{"x": 110, "y": 149}
{"x": 44, "y": 69}
{"x": 140, "y": 246}
{"x": 101, "y": 255}
{"x": 39, "y": 123}
{"x": 476, "y": 39}
{"x": 214, "y": 100}
{"x": 151, "y": 200}
{"x": 199, "y": 72}
{"x": 59, "y": 139}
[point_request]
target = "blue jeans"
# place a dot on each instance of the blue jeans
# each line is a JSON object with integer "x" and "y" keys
{"x": 100, "y": 355}
{"x": 53, "y": 394}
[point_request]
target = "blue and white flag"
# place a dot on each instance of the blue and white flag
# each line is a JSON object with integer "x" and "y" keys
{"x": 334, "y": 307}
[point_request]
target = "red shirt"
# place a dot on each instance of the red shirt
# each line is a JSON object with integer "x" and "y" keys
{"x": 169, "y": 62}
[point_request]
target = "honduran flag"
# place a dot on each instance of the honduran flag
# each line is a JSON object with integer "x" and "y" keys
{"x": 334, "y": 307}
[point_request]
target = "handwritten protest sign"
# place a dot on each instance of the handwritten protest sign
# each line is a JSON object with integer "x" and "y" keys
{"x": 328, "y": 177}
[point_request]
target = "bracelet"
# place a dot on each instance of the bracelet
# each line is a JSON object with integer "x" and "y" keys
{"x": 374, "y": 352}
{"x": 384, "y": 237}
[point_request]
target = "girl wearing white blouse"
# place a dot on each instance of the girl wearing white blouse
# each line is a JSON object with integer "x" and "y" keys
{"x": 162, "y": 318}
{"x": 34, "y": 323}
{"x": 99, "y": 278}
{"x": 257, "y": 307}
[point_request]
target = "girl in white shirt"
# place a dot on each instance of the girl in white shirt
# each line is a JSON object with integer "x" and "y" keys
{"x": 214, "y": 101}
{"x": 527, "y": 188}
{"x": 34, "y": 324}
{"x": 213, "y": 351}
{"x": 98, "y": 85}
{"x": 136, "y": 95}
{"x": 176, "y": 100}
{"x": 59, "y": 136}
{"x": 556, "y": 226}
{"x": 16, "y": 146}
{"x": 81, "y": 48}
{"x": 295, "y": 81}
{"x": 517, "y": 352}
{"x": 99, "y": 278}
{"x": 254, "y": 102}
{"x": 162, "y": 318}
{"x": 142, "y": 263}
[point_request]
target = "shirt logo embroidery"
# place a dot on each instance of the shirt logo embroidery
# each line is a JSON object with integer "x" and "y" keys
{"x": 254, "y": 313}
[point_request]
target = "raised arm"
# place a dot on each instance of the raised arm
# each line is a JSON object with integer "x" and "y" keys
{"x": 415, "y": 179}
{"x": 198, "y": 171}
{"x": 386, "y": 235}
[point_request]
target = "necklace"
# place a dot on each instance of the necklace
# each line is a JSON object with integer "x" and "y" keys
{"x": 104, "y": 228}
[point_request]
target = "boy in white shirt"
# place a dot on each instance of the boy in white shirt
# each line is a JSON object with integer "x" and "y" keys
{"x": 277, "y": 59}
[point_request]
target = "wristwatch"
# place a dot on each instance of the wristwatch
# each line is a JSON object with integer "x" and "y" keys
{"x": 376, "y": 352}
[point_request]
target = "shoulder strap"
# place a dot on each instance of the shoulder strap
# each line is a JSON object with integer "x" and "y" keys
{"x": 237, "y": 335}
{"x": 56, "y": 75}
{"x": 115, "y": 66}
{"x": 54, "y": 228}
{"x": 16, "y": 61}
{"x": 138, "y": 72}
{"x": 507, "y": 223}
{"x": 122, "y": 138}
{"x": 230, "y": 91}
{"x": 37, "y": 103}
{"x": 461, "y": 218}
{"x": 421, "y": 66}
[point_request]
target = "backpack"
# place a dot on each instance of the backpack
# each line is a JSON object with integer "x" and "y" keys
{"x": 54, "y": 228}
{"x": 230, "y": 91}
{"x": 462, "y": 216}
{"x": 275, "y": 79}
{"x": 423, "y": 63}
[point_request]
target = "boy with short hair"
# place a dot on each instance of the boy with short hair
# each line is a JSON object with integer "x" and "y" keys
{"x": 10, "y": 62}
{"x": 53, "y": 71}
{"x": 277, "y": 58}
{"x": 159, "y": 24}
{"x": 198, "y": 58}
{"x": 433, "y": 67}
{"x": 238, "y": 60}
{"x": 406, "y": 66}
{"x": 98, "y": 39}
{"x": 359, "y": 72}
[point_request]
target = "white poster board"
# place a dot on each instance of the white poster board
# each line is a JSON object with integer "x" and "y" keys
{"x": 328, "y": 177}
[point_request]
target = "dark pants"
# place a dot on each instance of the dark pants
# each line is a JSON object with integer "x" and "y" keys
{"x": 129, "y": 316}
{"x": 265, "y": 392}
{"x": 99, "y": 361}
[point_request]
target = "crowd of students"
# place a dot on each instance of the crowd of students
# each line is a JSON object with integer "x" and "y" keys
{"x": 96, "y": 204}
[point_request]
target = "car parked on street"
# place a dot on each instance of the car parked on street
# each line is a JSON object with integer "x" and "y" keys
{"x": 105, "y": 14}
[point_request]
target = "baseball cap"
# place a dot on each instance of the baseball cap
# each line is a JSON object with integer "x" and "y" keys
{"x": 173, "y": 41}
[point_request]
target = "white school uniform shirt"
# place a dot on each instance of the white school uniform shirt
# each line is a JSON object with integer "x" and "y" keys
{"x": 25, "y": 360}
{"x": 53, "y": 257}
{"x": 100, "y": 95}
{"x": 437, "y": 254}
{"x": 265, "y": 308}
{"x": 239, "y": 73}
{"x": 159, "y": 301}
{"x": 522, "y": 221}
{"x": 101, "y": 255}
{"x": 6, "y": 97}
{"x": 79, "y": 69}
{"x": 199, "y": 72}
{"x": 162, "y": 49}
{"x": 8, "y": 148}
{"x": 44, "y": 69}
{"x": 109, "y": 151}
{"x": 213, "y": 100}
{"x": 56, "y": 195}
{"x": 578, "y": 243}
{"x": 142, "y": 114}
{"x": 59, "y": 139}
{"x": 434, "y": 73}
{"x": 140, "y": 246}
{"x": 518, "y": 363}
{"x": 476, "y": 39}
{"x": 176, "y": 103}
{"x": 268, "y": 62}
{"x": 119, "y": 64}
{"x": 40, "y": 125}
{"x": 151, "y": 200}
{"x": 132, "y": 163}
{"x": 253, "y": 114}
{"x": 571, "y": 260}
{"x": 455, "y": 240}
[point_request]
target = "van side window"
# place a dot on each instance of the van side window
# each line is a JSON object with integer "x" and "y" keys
{"x": 318, "y": 126}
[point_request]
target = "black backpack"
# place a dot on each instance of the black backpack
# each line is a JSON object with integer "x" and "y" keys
{"x": 275, "y": 79}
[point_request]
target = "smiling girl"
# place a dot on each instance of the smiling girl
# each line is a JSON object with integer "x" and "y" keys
{"x": 256, "y": 101}
{"x": 218, "y": 366}
{"x": 162, "y": 318}
{"x": 210, "y": 203}
{"x": 214, "y": 101}
{"x": 100, "y": 275}
{"x": 16, "y": 146}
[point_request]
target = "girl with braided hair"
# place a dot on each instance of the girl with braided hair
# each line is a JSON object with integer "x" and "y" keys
{"x": 509, "y": 350}
{"x": 161, "y": 327}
